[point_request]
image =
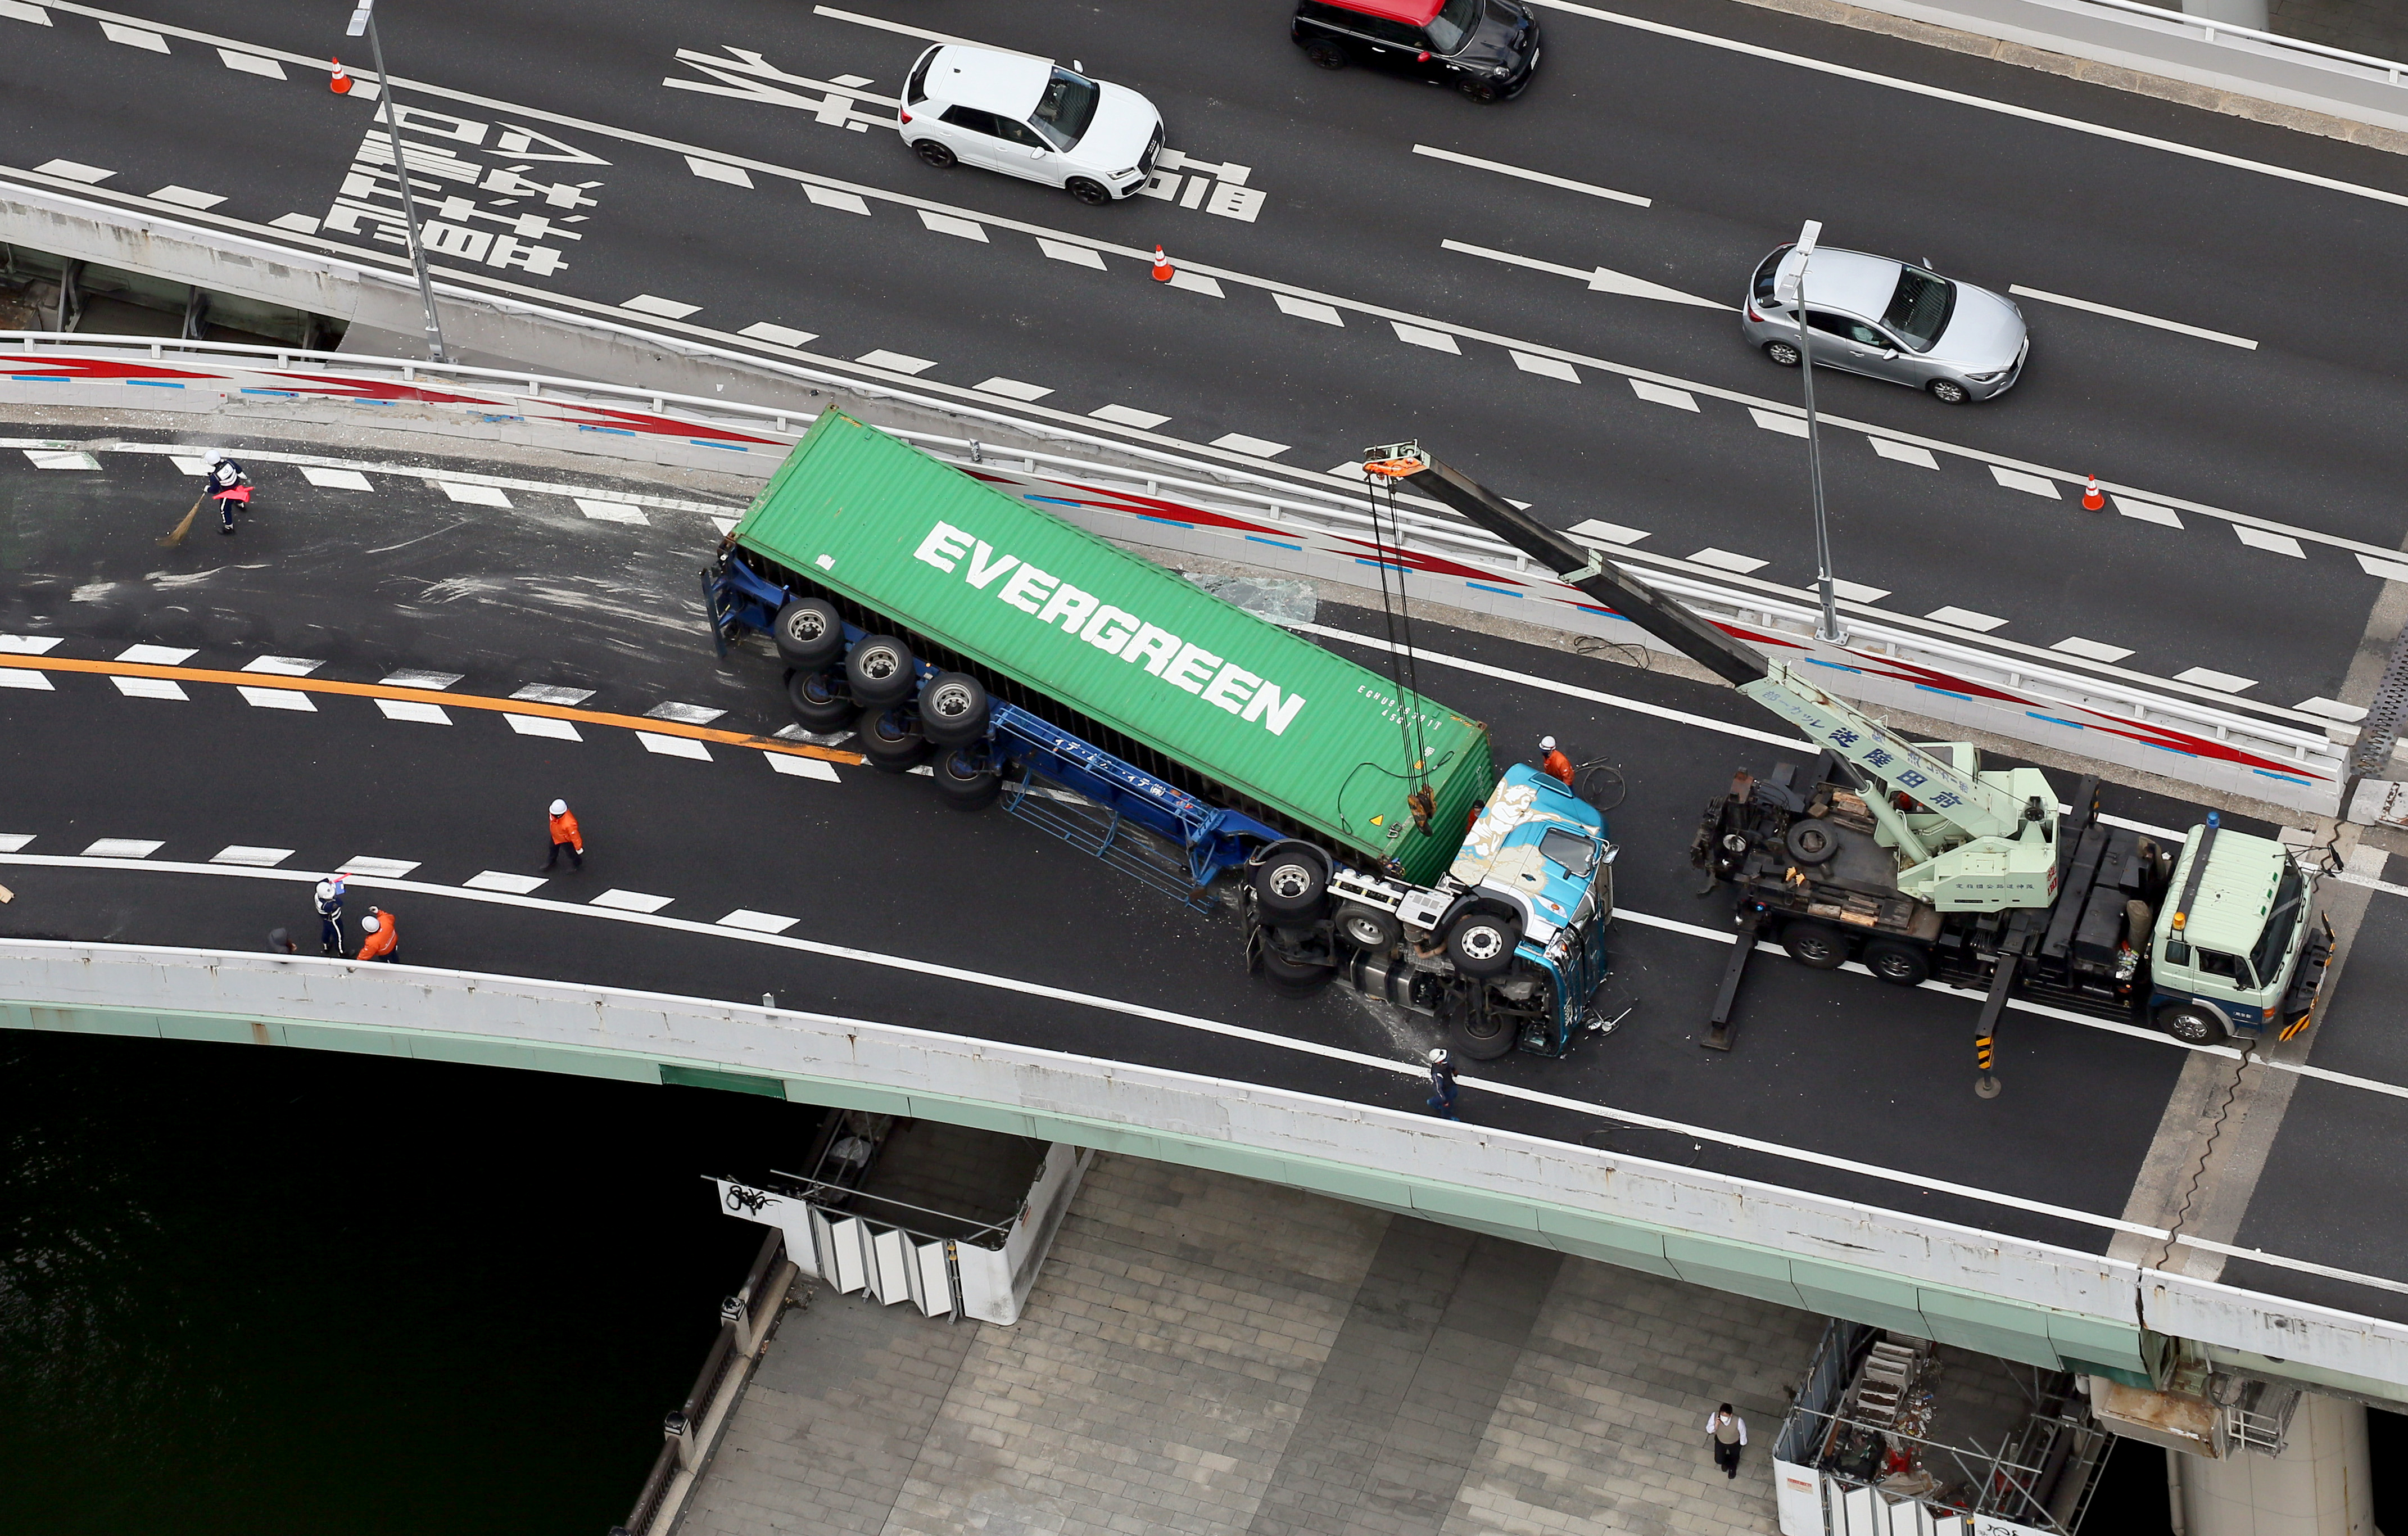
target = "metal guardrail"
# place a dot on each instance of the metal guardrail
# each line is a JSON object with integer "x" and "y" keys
{"x": 2386, "y": 70}
{"x": 2316, "y": 749}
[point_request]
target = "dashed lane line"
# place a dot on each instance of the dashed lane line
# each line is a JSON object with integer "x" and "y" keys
{"x": 1540, "y": 176}
{"x": 2134, "y": 317}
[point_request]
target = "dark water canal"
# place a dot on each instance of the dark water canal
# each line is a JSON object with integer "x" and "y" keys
{"x": 251, "y": 1292}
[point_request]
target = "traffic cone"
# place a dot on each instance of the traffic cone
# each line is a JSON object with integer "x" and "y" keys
{"x": 342, "y": 84}
{"x": 2093, "y": 499}
{"x": 1162, "y": 272}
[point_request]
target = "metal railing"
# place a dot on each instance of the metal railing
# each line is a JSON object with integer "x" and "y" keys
{"x": 2386, "y": 70}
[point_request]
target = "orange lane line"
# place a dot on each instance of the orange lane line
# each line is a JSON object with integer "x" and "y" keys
{"x": 428, "y": 696}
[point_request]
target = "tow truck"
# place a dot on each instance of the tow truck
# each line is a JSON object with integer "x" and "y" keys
{"x": 1929, "y": 867}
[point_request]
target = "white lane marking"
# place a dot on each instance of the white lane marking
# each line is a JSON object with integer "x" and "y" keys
{"x": 945, "y": 224}
{"x": 333, "y": 479}
{"x": 188, "y": 463}
{"x": 2109, "y": 310}
{"x": 544, "y": 725}
{"x": 1741, "y": 565}
{"x": 502, "y": 879}
{"x": 157, "y": 655}
{"x": 148, "y": 688}
{"x": 1077, "y": 255}
{"x": 1607, "y": 533}
{"x": 2391, "y": 570}
{"x": 187, "y": 197}
{"x": 753, "y": 921}
{"x": 715, "y": 171}
{"x": 283, "y": 666}
{"x": 11, "y": 842}
{"x": 801, "y": 767}
{"x": 1144, "y": 421}
{"x": 1436, "y": 341}
{"x": 2332, "y": 708}
{"x": 1960, "y": 98}
{"x": 474, "y": 496}
{"x": 685, "y": 714}
{"x": 631, "y": 901}
{"x": 28, "y": 645}
{"x": 545, "y": 692}
{"x": 17, "y": 677}
{"x": 1679, "y": 400}
{"x": 72, "y": 171}
{"x": 411, "y": 677}
{"x": 2015, "y": 480}
{"x": 1856, "y": 592}
{"x": 849, "y": 81}
{"x": 1546, "y": 367}
{"x": 1237, "y": 442}
{"x": 277, "y": 699}
{"x": 251, "y": 63}
{"x": 1197, "y": 282}
{"x": 257, "y": 858}
{"x": 413, "y": 712}
{"x": 300, "y": 224}
{"x": 1598, "y": 279}
{"x": 611, "y": 511}
{"x": 839, "y": 199}
{"x": 2277, "y": 543}
{"x": 674, "y": 746}
{"x": 1903, "y": 452}
{"x": 21, "y": 10}
{"x": 1304, "y": 308}
{"x": 2208, "y": 677}
{"x": 2075, "y": 645}
{"x": 726, "y": 524}
{"x": 1541, "y": 177}
{"x": 49, "y": 458}
{"x": 778, "y": 335}
{"x": 1777, "y": 421}
{"x": 1965, "y": 618}
{"x": 667, "y": 309}
{"x": 134, "y": 37}
{"x": 123, "y": 848}
{"x": 383, "y": 868}
{"x": 2149, "y": 511}
{"x": 884, "y": 25}
{"x": 1012, "y": 389}
{"x": 896, "y": 362}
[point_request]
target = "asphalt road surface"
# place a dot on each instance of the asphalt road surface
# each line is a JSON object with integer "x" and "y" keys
{"x": 778, "y": 195}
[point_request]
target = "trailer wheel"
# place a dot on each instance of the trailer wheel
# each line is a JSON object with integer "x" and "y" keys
{"x": 809, "y": 633}
{"x": 1367, "y": 927}
{"x": 1478, "y": 1035}
{"x": 1292, "y": 882}
{"x": 1482, "y": 942}
{"x": 819, "y": 706}
{"x": 2190, "y": 1023}
{"x": 1296, "y": 977}
{"x": 1899, "y": 963}
{"x": 1817, "y": 946}
{"x": 880, "y": 670}
{"x": 964, "y": 782}
{"x": 889, "y": 740}
{"x": 1812, "y": 841}
{"x": 953, "y": 708}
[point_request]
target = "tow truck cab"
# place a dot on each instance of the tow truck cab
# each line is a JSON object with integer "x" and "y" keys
{"x": 2225, "y": 956}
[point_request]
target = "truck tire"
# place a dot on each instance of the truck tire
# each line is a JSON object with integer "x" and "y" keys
{"x": 1296, "y": 977}
{"x": 2190, "y": 1023}
{"x": 1482, "y": 1036}
{"x": 880, "y": 670}
{"x": 819, "y": 704}
{"x": 1899, "y": 963}
{"x": 1292, "y": 882}
{"x": 1482, "y": 942}
{"x": 953, "y": 709}
{"x": 964, "y": 782}
{"x": 809, "y": 633}
{"x": 1367, "y": 927}
{"x": 1812, "y": 841}
{"x": 1817, "y": 946}
{"x": 889, "y": 739}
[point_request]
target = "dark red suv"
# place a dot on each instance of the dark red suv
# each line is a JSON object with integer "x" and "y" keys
{"x": 1486, "y": 49}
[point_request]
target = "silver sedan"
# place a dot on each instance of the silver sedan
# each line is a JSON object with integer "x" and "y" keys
{"x": 1891, "y": 320}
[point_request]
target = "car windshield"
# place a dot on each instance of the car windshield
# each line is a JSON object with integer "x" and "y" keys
{"x": 1454, "y": 26}
{"x": 2280, "y": 924}
{"x": 1919, "y": 309}
{"x": 1576, "y": 854}
{"x": 1066, "y": 108}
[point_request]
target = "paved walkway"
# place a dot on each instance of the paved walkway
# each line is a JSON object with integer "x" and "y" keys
{"x": 1205, "y": 1354}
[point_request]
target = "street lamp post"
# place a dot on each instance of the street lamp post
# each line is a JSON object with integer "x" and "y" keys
{"x": 364, "y": 19}
{"x": 1792, "y": 290}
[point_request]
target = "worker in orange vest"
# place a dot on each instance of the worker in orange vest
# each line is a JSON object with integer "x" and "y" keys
{"x": 1554, "y": 762}
{"x": 566, "y": 835}
{"x": 384, "y": 937}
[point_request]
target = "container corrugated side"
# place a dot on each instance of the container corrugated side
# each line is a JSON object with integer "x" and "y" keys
{"x": 1312, "y": 735}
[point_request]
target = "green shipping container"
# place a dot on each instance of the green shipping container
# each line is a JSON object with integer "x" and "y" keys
{"x": 1311, "y": 737}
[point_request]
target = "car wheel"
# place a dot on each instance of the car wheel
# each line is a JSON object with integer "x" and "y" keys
{"x": 1482, "y": 1036}
{"x": 1812, "y": 841}
{"x": 809, "y": 633}
{"x": 964, "y": 782}
{"x": 1093, "y": 193}
{"x": 1367, "y": 928}
{"x": 880, "y": 670}
{"x": 935, "y": 154}
{"x": 819, "y": 705}
{"x": 1292, "y": 883}
{"x": 889, "y": 739}
{"x": 2189, "y": 1022}
{"x": 1483, "y": 92}
{"x": 953, "y": 709}
{"x": 1783, "y": 353}
{"x": 1296, "y": 977}
{"x": 1817, "y": 946}
{"x": 1948, "y": 392}
{"x": 1900, "y": 965}
{"x": 1326, "y": 55}
{"x": 1481, "y": 943}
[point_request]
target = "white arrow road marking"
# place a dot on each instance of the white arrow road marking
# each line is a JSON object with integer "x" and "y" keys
{"x": 1598, "y": 279}
{"x": 2109, "y": 310}
{"x": 1533, "y": 176}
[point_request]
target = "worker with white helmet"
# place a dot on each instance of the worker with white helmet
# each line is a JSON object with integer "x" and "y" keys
{"x": 1555, "y": 763}
{"x": 225, "y": 483}
{"x": 330, "y": 914}
{"x": 1443, "y": 1087}
{"x": 565, "y": 834}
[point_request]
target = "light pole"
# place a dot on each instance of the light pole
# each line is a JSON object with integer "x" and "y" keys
{"x": 364, "y": 19}
{"x": 1791, "y": 290}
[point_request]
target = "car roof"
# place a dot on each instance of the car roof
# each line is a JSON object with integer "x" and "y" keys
{"x": 1414, "y": 12}
{"x": 1848, "y": 280}
{"x": 2235, "y": 892}
{"x": 988, "y": 79}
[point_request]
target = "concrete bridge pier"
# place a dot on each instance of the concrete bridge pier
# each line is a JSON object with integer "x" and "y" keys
{"x": 2319, "y": 1486}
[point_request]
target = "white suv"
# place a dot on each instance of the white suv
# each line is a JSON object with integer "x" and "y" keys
{"x": 1030, "y": 118}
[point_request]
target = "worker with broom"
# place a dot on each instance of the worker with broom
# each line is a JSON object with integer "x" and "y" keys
{"x": 226, "y": 485}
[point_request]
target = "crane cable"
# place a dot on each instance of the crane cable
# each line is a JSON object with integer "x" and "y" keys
{"x": 1403, "y": 670}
